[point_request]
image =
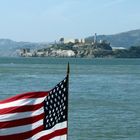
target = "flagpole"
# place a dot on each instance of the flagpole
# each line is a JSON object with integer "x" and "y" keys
{"x": 68, "y": 69}
{"x": 68, "y": 73}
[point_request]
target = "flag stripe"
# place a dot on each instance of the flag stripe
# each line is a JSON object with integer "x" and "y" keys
{"x": 58, "y": 126}
{"x": 21, "y": 129}
{"x": 62, "y": 137}
{"x": 16, "y": 116}
{"x": 22, "y": 102}
{"x": 54, "y": 134}
{"x": 8, "y": 124}
{"x": 23, "y": 132}
{"x": 18, "y": 109}
{"x": 35, "y": 115}
{"x": 22, "y": 136}
{"x": 26, "y": 96}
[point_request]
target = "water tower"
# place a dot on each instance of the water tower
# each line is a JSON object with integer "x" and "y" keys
{"x": 95, "y": 38}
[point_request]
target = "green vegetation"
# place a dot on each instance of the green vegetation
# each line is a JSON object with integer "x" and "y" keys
{"x": 100, "y": 48}
{"x": 132, "y": 52}
{"x": 125, "y": 39}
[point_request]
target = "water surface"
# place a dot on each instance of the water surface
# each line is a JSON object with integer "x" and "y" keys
{"x": 104, "y": 93}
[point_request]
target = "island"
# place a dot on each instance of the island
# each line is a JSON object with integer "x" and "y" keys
{"x": 82, "y": 48}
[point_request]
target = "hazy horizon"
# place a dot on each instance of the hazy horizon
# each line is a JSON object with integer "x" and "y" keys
{"x": 47, "y": 20}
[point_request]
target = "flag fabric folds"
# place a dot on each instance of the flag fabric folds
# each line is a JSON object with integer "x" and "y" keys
{"x": 36, "y": 115}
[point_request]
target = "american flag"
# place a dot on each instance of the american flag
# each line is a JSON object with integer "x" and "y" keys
{"x": 36, "y": 115}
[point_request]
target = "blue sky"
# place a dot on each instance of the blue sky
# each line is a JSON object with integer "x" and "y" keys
{"x": 48, "y": 20}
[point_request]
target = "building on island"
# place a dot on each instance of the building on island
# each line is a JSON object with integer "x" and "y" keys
{"x": 75, "y": 41}
{"x": 95, "y": 38}
{"x": 25, "y": 52}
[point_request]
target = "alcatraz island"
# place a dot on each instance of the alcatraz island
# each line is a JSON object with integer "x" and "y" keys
{"x": 81, "y": 48}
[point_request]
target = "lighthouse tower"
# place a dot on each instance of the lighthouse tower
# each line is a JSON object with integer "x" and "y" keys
{"x": 95, "y": 38}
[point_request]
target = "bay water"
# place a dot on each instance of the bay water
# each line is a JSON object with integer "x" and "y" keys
{"x": 104, "y": 94}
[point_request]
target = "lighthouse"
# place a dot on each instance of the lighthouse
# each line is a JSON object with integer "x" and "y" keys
{"x": 95, "y": 38}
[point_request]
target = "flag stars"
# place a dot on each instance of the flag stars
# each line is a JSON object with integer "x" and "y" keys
{"x": 58, "y": 103}
{"x": 63, "y": 104}
{"x": 60, "y": 106}
{"x": 59, "y": 97}
{"x": 64, "y": 98}
{"x": 52, "y": 95}
{"x": 64, "y": 108}
{"x": 56, "y": 108}
{"x": 61, "y": 101}
{"x": 60, "y": 109}
{"x": 50, "y": 115}
{"x": 48, "y": 97}
{"x": 50, "y": 106}
{"x": 56, "y": 94}
{"x": 55, "y": 105}
{"x": 51, "y": 101}
{"x": 63, "y": 95}
{"x": 58, "y": 112}
{"x": 55, "y": 99}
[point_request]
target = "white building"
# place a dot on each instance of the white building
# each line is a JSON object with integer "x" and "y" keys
{"x": 118, "y": 48}
{"x": 63, "y": 53}
{"x": 66, "y": 41}
{"x": 69, "y": 41}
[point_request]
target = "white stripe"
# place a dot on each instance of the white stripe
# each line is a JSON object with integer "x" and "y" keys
{"x": 16, "y": 116}
{"x": 46, "y": 132}
{"x": 22, "y": 102}
{"x": 64, "y": 137}
{"x": 20, "y": 129}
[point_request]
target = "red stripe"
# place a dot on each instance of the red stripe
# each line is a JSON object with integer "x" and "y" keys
{"x": 22, "y": 136}
{"x": 29, "y": 134}
{"x": 25, "y": 96}
{"x": 56, "y": 133}
{"x": 18, "y": 109}
{"x": 21, "y": 122}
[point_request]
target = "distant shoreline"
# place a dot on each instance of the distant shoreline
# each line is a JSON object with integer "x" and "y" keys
{"x": 83, "y": 51}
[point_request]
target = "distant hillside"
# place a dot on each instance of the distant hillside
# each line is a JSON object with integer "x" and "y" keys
{"x": 10, "y": 48}
{"x": 125, "y": 39}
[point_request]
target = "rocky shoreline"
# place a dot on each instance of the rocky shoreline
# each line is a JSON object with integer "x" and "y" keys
{"x": 88, "y": 50}
{"x": 69, "y": 50}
